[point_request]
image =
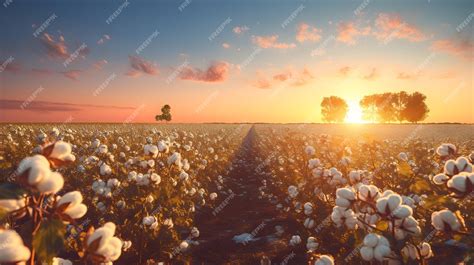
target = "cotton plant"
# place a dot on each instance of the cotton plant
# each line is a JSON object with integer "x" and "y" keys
{"x": 34, "y": 196}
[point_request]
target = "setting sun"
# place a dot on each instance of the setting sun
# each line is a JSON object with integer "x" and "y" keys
{"x": 354, "y": 114}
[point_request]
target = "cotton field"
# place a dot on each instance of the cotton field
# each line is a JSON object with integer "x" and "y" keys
{"x": 236, "y": 194}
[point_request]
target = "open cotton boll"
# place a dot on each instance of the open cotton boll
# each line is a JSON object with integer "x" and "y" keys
{"x": 461, "y": 164}
{"x": 61, "y": 151}
{"x": 109, "y": 247}
{"x": 11, "y": 205}
{"x": 60, "y": 261}
{"x": 446, "y": 149}
{"x": 51, "y": 184}
{"x": 37, "y": 167}
{"x": 75, "y": 209}
{"x": 324, "y": 260}
{"x": 445, "y": 220}
{"x": 292, "y": 191}
{"x": 195, "y": 232}
{"x": 368, "y": 192}
{"x": 105, "y": 169}
{"x": 440, "y": 179}
{"x": 309, "y": 223}
{"x": 12, "y": 249}
{"x": 312, "y": 244}
{"x": 314, "y": 162}
{"x": 402, "y": 212}
{"x": 213, "y": 196}
{"x": 295, "y": 240}
{"x": 375, "y": 247}
{"x": 460, "y": 183}
{"x": 309, "y": 150}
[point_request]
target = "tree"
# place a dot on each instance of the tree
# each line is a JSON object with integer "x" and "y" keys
{"x": 415, "y": 109}
{"x": 334, "y": 109}
{"x": 165, "y": 114}
{"x": 398, "y": 102}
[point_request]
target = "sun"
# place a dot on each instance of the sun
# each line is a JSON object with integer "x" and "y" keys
{"x": 354, "y": 113}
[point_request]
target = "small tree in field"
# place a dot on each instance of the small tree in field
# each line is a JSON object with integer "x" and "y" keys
{"x": 334, "y": 109}
{"x": 165, "y": 114}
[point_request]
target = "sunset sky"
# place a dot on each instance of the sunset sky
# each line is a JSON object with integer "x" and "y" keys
{"x": 229, "y": 61}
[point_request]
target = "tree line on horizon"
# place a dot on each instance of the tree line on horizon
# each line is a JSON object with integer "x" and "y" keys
{"x": 385, "y": 107}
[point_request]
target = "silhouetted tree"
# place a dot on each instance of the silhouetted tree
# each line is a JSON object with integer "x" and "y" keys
{"x": 415, "y": 108}
{"x": 165, "y": 114}
{"x": 334, "y": 109}
{"x": 400, "y": 106}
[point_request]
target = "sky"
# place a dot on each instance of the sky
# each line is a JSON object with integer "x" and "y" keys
{"x": 229, "y": 61}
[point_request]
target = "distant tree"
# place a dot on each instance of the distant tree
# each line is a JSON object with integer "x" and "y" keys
{"x": 378, "y": 107}
{"x": 398, "y": 103}
{"x": 165, "y": 114}
{"x": 415, "y": 109}
{"x": 334, "y": 109}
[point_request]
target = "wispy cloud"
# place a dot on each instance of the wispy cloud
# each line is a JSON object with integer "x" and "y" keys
{"x": 100, "y": 64}
{"x": 72, "y": 74}
{"x": 348, "y": 32}
{"x": 216, "y": 72}
{"x": 55, "y": 48}
{"x": 45, "y": 106}
{"x": 226, "y": 45}
{"x": 293, "y": 77}
{"x": 459, "y": 48}
{"x": 372, "y": 75}
{"x": 240, "y": 29}
{"x": 392, "y": 26}
{"x": 345, "y": 71}
{"x": 306, "y": 32}
{"x": 141, "y": 66}
{"x": 266, "y": 42}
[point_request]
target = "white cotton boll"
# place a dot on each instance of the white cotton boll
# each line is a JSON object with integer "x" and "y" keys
{"x": 148, "y": 220}
{"x": 60, "y": 261}
{"x": 75, "y": 209}
{"x": 309, "y": 150}
{"x": 12, "y": 249}
{"x": 132, "y": 176}
{"x": 371, "y": 240}
{"x": 111, "y": 183}
{"x": 381, "y": 252}
{"x": 312, "y": 244}
{"x": 324, "y": 260}
{"x": 394, "y": 201}
{"x": 425, "y": 250}
{"x": 195, "y": 232}
{"x": 51, "y": 184}
{"x": 155, "y": 178}
{"x": 314, "y": 162}
{"x": 61, "y": 151}
{"x": 368, "y": 192}
{"x": 308, "y": 208}
{"x": 174, "y": 159}
{"x": 402, "y": 212}
{"x": 292, "y": 191}
{"x": 403, "y": 156}
{"x": 126, "y": 245}
{"x": 213, "y": 196}
{"x": 183, "y": 176}
{"x": 446, "y": 149}
{"x": 183, "y": 245}
{"x": 345, "y": 193}
{"x": 295, "y": 240}
{"x": 103, "y": 149}
{"x": 38, "y": 167}
{"x": 459, "y": 182}
{"x": 12, "y": 204}
{"x": 149, "y": 199}
{"x": 445, "y": 219}
{"x": 105, "y": 169}
{"x": 382, "y": 205}
{"x": 440, "y": 179}
{"x": 309, "y": 223}
{"x": 96, "y": 143}
{"x": 354, "y": 176}
{"x": 367, "y": 253}
{"x": 341, "y": 202}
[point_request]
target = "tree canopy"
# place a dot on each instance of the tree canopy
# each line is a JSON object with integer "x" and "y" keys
{"x": 165, "y": 114}
{"x": 334, "y": 109}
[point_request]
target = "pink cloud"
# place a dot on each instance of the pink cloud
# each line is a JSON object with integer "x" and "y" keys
{"x": 55, "y": 48}
{"x": 141, "y": 66}
{"x": 345, "y": 71}
{"x": 216, "y": 72}
{"x": 240, "y": 29}
{"x": 226, "y": 45}
{"x": 10, "y": 66}
{"x": 458, "y": 48}
{"x": 100, "y": 64}
{"x": 406, "y": 76}
{"x": 266, "y": 42}
{"x": 348, "y": 32}
{"x": 72, "y": 74}
{"x": 391, "y": 26}
{"x": 294, "y": 78}
{"x": 372, "y": 75}
{"x": 306, "y": 32}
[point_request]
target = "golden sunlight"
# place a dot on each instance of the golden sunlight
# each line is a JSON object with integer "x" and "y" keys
{"x": 354, "y": 113}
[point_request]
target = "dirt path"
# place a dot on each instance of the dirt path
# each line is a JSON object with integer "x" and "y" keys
{"x": 243, "y": 212}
